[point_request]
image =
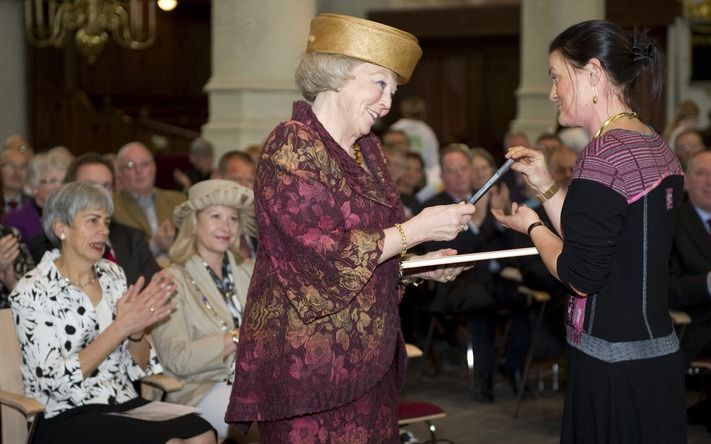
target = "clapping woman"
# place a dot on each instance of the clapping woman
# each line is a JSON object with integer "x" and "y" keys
{"x": 81, "y": 332}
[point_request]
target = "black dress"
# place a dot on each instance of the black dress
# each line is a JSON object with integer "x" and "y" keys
{"x": 625, "y": 382}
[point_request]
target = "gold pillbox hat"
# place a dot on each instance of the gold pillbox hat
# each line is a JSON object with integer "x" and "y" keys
{"x": 365, "y": 40}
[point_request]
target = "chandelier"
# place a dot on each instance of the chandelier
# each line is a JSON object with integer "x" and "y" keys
{"x": 698, "y": 11}
{"x": 132, "y": 23}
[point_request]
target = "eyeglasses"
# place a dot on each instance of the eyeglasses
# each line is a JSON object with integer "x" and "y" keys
{"x": 130, "y": 166}
{"x": 52, "y": 181}
{"x": 455, "y": 170}
{"x": 13, "y": 166}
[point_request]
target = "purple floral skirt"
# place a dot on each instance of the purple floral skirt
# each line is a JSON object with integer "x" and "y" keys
{"x": 372, "y": 418}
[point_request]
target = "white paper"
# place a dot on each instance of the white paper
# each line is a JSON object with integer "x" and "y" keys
{"x": 157, "y": 411}
{"x": 471, "y": 257}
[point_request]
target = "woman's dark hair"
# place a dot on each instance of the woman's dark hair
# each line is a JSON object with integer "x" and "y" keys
{"x": 90, "y": 158}
{"x": 633, "y": 61}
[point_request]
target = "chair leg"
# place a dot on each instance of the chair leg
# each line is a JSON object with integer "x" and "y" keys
{"x": 427, "y": 349}
{"x": 529, "y": 360}
{"x": 432, "y": 429}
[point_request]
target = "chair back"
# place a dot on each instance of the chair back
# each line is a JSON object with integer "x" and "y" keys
{"x": 13, "y": 424}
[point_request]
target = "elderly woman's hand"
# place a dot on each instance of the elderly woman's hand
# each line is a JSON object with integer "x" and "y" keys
{"x": 520, "y": 219}
{"x": 532, "y": 164}
{"x": 138, "y": 310}
{"x": 9, "y": 250}
{"x": 442, "y": 222}
{"x": 446, "y": 273}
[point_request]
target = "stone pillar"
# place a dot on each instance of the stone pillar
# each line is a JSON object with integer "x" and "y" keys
{"x": 256, "y": 46}
{"x": 541, "y": 21}
{"x": 13, "y": 88}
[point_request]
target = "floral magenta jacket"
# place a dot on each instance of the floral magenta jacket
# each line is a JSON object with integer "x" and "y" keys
{"x": 321, "y": 322}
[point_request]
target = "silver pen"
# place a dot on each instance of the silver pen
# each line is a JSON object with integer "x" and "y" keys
{"x": 491, "y": 182}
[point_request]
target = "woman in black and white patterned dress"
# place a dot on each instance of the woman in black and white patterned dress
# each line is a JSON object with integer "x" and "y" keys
{"x": 81, "y": 332}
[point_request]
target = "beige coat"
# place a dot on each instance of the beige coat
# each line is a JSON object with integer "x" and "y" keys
{"x": 190, "y": 343}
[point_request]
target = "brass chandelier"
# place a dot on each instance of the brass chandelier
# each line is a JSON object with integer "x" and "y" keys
{"x": 132, "y": 23}
{"x": 698, "y": 10}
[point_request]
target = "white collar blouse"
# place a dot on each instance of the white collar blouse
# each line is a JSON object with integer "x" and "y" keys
{"x": 55, "y": 321}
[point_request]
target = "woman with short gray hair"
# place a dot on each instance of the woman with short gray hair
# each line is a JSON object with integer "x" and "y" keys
{"x": 46, "y": 175}
{"x": 81, "y": 331}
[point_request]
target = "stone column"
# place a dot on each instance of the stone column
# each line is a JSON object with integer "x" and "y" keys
{"x": 13, "y": 88}
{"x": 256, "y": 45}
{"x": 541, "y": 21}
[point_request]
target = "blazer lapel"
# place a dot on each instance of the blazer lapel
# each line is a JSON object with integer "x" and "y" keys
{"x": 206, "y": 287}
{"x": 135, "y": 212}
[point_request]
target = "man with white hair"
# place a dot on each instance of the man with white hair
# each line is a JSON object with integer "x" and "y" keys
{"x": 140, "y": 204}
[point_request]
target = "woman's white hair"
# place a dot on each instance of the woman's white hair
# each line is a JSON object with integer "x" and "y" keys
{"x": 318, "y": 72}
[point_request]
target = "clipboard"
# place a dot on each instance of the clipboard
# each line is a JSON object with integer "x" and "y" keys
{"x": 471, "y": 257}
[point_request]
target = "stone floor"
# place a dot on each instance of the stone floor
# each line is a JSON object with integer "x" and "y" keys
{"x": 470, "y": 422}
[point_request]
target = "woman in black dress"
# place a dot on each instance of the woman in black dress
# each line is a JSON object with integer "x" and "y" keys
{"x": 615, "y": 225}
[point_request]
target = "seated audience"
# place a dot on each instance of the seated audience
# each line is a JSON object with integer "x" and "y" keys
{"x": 140, "y": 204}
{"x": 202, "y": 155}
{"x": 687, "y": 143}
{"x": 13, "y": 173}
{"x": 253, "y": 151}
{"x": 411, "y": 181}
{"x": 548, "y": 142}
{"x": 513, "y": 179}
{"x": 126, "y": 246}
{"x": 476, "y": 292}
{"x": 396, "y": 139}
{"x": 198, "y": 342}
{"x": 18, "y": 142}
{"x": 237, "y": 166}
{"x": 690, "y": 262}
{"x": 15, "y": 259}
{"x": 46, "y": 174}
{"x": 82, "y": 332}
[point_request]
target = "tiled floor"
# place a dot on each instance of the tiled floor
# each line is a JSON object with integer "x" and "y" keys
{"x": 470, "y": 422}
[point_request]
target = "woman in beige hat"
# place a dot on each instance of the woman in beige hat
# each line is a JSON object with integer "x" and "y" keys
{"x": 321, "y": 357}
{"x": 197, "y": 343}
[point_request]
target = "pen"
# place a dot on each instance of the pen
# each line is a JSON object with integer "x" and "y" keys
{"x": 492, "y": 180}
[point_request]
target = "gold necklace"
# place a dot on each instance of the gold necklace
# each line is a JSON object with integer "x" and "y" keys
{"x": 79, "y": 284}
{"x": 618, "y": 116}
{"x": 356, "y": 154}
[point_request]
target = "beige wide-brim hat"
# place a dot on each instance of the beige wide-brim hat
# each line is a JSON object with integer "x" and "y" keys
{"x": 365, "y": 40}
{"x": 219, "y": 192}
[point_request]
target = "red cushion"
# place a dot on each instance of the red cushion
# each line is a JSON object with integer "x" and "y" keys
{"x": 417, "y": 409}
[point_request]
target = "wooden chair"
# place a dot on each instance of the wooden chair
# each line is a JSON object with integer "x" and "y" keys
{"x": 19, "y": 413}
{"x": 410, "y": 412}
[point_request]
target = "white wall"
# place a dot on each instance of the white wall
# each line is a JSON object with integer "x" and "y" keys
{"x": 13, "y": 90}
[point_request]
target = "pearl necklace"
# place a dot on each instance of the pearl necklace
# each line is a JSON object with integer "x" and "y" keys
{"x": 608, "y": 122}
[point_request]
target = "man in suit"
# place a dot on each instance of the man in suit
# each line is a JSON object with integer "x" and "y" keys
{"x": 690, "y": 262}
{"x": 140, "y": 204}
{"x": 476, "y": 292}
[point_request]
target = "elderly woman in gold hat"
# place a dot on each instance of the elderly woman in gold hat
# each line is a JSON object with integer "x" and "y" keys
{"x": 197, "y": 343}
{"x": 321, "y": 357}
